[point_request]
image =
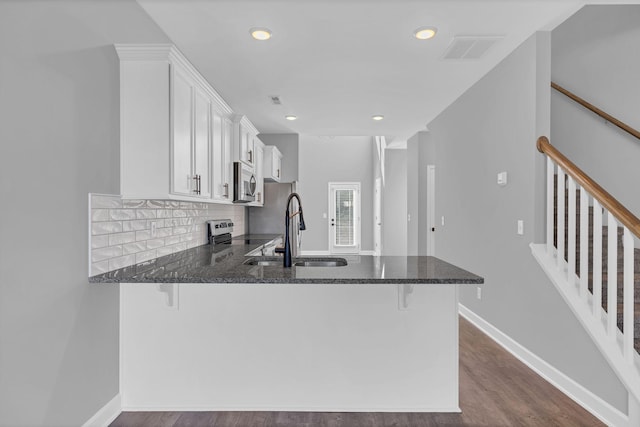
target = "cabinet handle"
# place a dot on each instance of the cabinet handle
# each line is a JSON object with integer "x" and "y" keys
{"x": 199, "y": 184}
{"x": 226, "y": 190}
{"x": 278, "y": 173}
{"x": 197, "y": 179}
{"x": 250, "y": 156}
{"x": 259, "y": 197}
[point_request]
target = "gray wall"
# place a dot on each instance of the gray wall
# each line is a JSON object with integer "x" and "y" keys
{"x": 420, "y": 154}
{"x": 59, "y": 136}
{"x": 491, "y": 128}
{"x": 602, "y": 67}
{"x": 394, "y": 212}
{"x": 287, "y": 143}
{"x": 334, "y": 159}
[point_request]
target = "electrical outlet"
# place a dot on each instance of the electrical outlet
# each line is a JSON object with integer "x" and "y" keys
{"x": 479, "y": 292}
{"x": 520, "y": 227}
{"x": 443, "y": 220}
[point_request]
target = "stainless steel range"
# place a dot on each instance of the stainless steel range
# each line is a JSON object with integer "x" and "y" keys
{"x": 219, "y": 231}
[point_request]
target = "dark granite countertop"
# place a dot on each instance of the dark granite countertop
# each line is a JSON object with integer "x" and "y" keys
{"x": 224, "y": 264}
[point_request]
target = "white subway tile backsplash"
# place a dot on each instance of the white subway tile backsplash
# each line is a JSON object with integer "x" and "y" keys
{"x": 155, "y": 243}
{"x": 122, "y": 214}
{"x": 121, "y": 229}
{"x": 122, "y": 261}
{"x": 99, "y": 215}
{"x": 145, "y": 213}
{"x": 105, "y": 228}
{"x": 134, "y": 225}
{"x": 99, "y": 241}
{"x": 99, "y": 267}
{"x": 172, "y": 240}
{"x": 120, "y": 238}
{"x": 132, "y": 248}
{"x": 143, "y": 235}
{"x": 165, "y": 250}
{"x": 146, "y": 256}
{"x": 99, "y": 201}
{"x": 163, "y": 232}
{"x": 105, "y": 253}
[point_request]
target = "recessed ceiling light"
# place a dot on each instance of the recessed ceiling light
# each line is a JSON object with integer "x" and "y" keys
{"x": 290, "y": 117}
{"x": 377, "y": 117}
{"x": 260, "y": 33}
{"x": 425, "y": 33}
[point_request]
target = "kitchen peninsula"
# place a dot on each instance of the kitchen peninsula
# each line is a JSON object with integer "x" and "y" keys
{"x": 201, "y": 330}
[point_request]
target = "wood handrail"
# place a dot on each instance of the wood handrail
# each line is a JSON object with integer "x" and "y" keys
{"x": 610, "y": 203}
{"x": 625, "y": 127}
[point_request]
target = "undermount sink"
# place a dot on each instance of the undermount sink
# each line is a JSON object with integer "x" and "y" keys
{"x": 267, "y": 261}
{"x": 320, "y": 262}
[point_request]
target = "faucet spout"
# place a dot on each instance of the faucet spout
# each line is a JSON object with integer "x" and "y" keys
{"x": 287, "y": 222}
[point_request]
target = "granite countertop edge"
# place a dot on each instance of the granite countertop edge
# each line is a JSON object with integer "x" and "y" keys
{"x": 224, "y": 265}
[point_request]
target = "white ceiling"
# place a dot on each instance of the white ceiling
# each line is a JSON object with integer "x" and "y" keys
{"x": 335, "y": 63}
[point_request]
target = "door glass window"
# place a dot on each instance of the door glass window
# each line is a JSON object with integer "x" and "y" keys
{"x": 344, "y": 218}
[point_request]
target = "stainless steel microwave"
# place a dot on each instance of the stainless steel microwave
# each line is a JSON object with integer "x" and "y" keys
{"x": 244, "y": 183}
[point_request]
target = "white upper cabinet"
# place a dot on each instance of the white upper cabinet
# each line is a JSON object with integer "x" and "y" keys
{"x": 244, "y": 141}
{"x": 222, "y": 164}
{"x": 191, "y": 138}
{"x": 272, "y": 163}
{"x": 178, "y": 137}
{"x": 259, "y": 174}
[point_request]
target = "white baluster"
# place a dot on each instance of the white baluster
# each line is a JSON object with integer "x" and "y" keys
{"x": 628, "y": 296}
{"x": 612, "y": 275}
{"x": 560, "y": 229}
{"x": 571, "y": 234}
{"x": 584, "y": 243}
{"x": 550, "y": 198}
{"x": 597, "y": 259}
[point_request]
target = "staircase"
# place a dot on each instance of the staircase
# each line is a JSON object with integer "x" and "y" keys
{"x": 605, "y": 264}
{"x": 589, "y": 256}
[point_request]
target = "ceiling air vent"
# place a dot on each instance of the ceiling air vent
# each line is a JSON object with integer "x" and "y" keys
{"x": 275, "y": 100}
{"x": 470, "y": 47}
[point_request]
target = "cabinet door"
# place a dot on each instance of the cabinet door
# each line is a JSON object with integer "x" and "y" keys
{"x": 181, "y": 179}
{"x": 227, "y": 145}
{"x": 202, "y": 144}
{"x": 219, "y": 167}
{"x": 277, "y": 165}
{"x": 259, "y": 174}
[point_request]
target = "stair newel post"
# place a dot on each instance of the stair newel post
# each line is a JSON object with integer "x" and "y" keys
{"x": 612, "y": 275}
{"x": 571, "y": 233}
{"x": 597, "y": 259}
{"x": 584, "y": 243}
{"x": 550, "y": 210}
{"x": 560, "y": 229}
{"x": 628, "y": 297}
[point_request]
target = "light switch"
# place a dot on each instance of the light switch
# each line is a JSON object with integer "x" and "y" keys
{"x": 520, "y": 227}
{"x": 502, "y": 178}
{"x": 443, "y": 220}
{"x": 324, "y": 215}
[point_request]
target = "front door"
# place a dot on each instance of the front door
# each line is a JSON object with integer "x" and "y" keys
{"x": 344, "y": 219}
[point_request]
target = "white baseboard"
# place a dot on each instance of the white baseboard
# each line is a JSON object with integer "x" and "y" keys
{"x": 585, "y": 398}
{"x": 106, "y": 414}
{"x": 454, "y": 409}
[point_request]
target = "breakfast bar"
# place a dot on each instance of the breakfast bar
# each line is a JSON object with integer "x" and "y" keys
{"x": 204, "y": 329}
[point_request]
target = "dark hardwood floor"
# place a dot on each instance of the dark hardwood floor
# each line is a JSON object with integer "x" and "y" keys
{"x": 495, "y": 390}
